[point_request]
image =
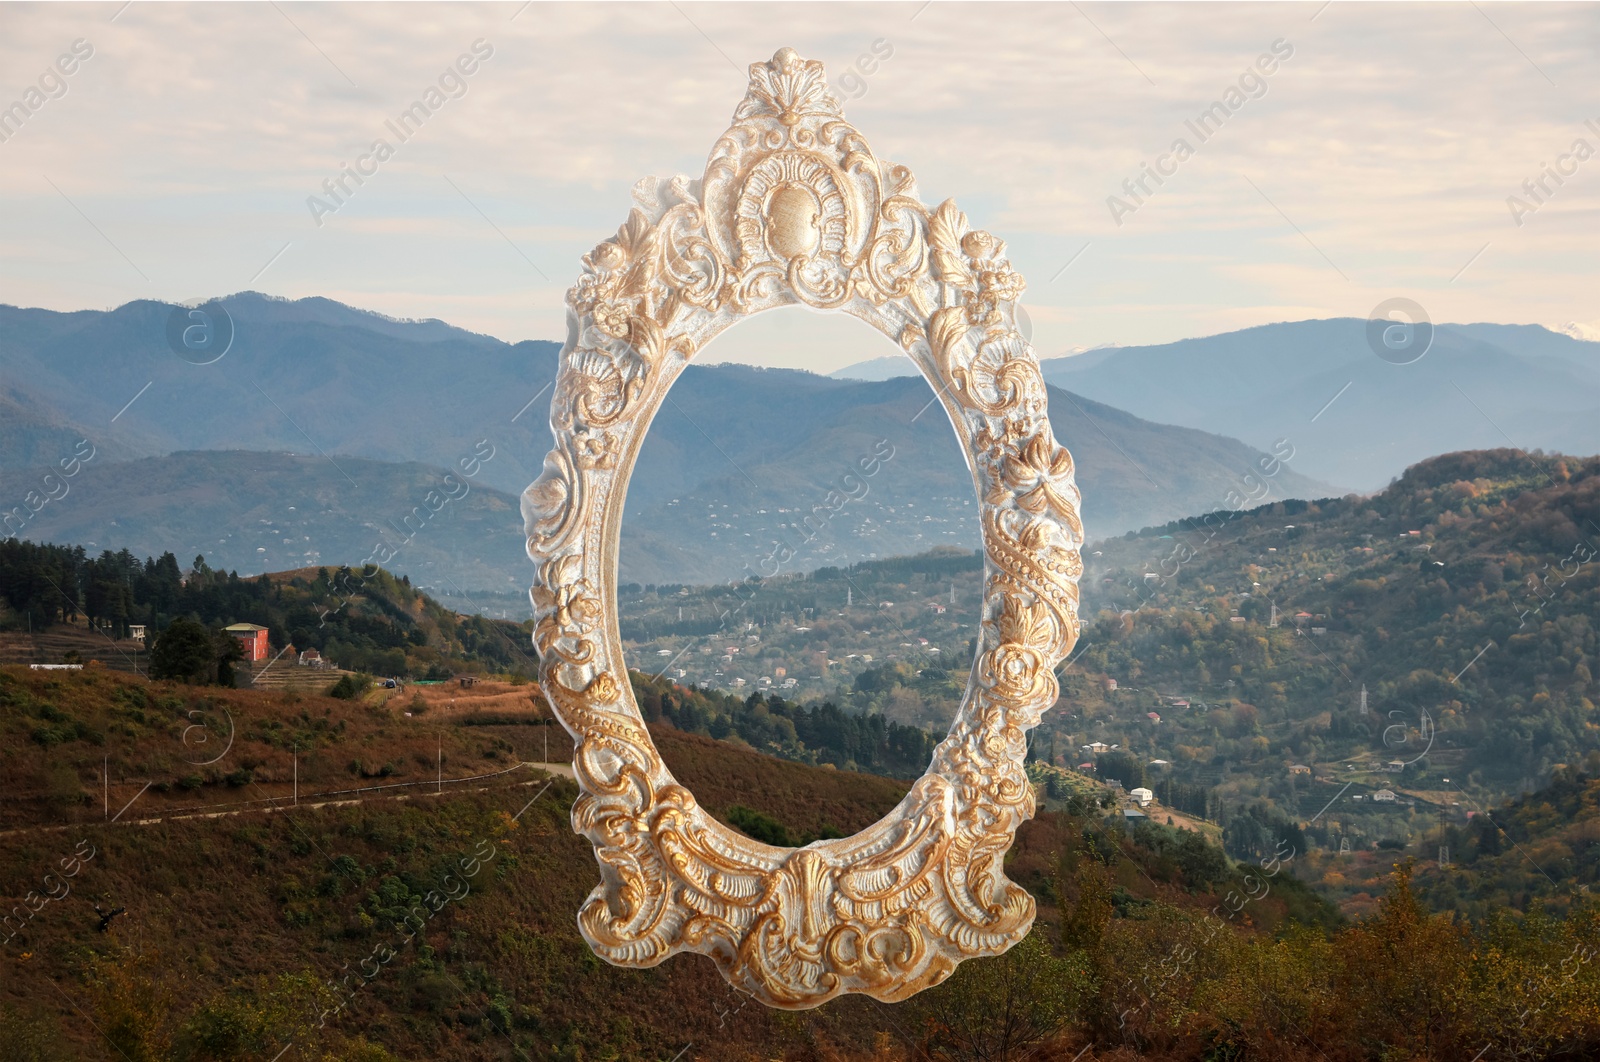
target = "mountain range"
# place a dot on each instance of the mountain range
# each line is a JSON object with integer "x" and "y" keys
{"x": 1353, "y": 417}
{"x": 322, "y": 426}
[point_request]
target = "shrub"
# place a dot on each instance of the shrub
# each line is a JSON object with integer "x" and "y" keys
{"x": 759, "y": 826}
{"x": 349, "y": 687}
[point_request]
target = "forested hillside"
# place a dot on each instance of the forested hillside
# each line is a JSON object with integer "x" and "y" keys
{"x": 1463, "y": 598}
{"x": 363, "y": 619}
{"x": 1538, "y": 852}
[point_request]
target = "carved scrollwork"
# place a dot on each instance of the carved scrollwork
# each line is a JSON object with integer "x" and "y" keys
{"x": 795, "y": 209}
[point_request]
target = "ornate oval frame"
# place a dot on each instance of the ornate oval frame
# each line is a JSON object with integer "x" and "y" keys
{"x": 794, "y": 209}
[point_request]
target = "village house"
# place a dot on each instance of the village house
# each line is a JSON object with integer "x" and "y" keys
{"x": 252, "y": 640}
{"x": 1142, "y": 795}
{"x": 1384, "y": 796}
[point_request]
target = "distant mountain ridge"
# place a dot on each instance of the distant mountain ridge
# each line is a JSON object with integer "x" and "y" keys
{"x": 733, "y": 463}
{"x": 1352, "y": 416}
{"x": 893, "y": 365}
{"x": 255, "y": 512}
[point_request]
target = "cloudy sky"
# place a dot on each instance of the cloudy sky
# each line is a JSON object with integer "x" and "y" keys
{"x": 176, "y": 160}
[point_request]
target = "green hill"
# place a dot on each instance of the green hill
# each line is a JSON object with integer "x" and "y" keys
{"x": 1540, "y": 851}
{"x": 362, "y": 619}
{"x": 1463, "y": 598}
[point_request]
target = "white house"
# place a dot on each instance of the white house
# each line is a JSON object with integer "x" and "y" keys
{"x": 1385, "y": 796}
{"x": 1142, "y": 795}
{"x": 1096, "y": 747}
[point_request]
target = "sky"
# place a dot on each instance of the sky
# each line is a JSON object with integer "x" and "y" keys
{"x": 177, "y": 159}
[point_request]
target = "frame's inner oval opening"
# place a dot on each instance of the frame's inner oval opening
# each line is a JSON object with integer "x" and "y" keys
{"x": 826, "y": 610}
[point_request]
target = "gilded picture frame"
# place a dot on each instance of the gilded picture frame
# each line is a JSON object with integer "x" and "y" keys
{"x": 795, "y": 209}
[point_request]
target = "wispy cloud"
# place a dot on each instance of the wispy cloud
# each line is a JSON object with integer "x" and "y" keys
{"x": 1392, "y": 139}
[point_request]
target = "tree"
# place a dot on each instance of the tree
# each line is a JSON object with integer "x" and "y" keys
{"x": 189, "y": 652}
{"x": 999, "y": 1009}
{"x": 229, "y": 652}
{"x": 1121, "y": 767}
{"x": 349, "y": 687}
{"x": 183, "y": 651}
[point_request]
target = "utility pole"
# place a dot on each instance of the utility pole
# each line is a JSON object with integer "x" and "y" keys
{"x": 105, "y": 785}
{"x": 1363, "y": 698}
{"x": 297, "y": 776}
{"x": 1444, "y": 847}
{"x": 440, "y": 789}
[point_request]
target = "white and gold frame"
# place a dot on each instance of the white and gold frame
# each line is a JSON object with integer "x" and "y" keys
{"x": 795, "y": 209}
